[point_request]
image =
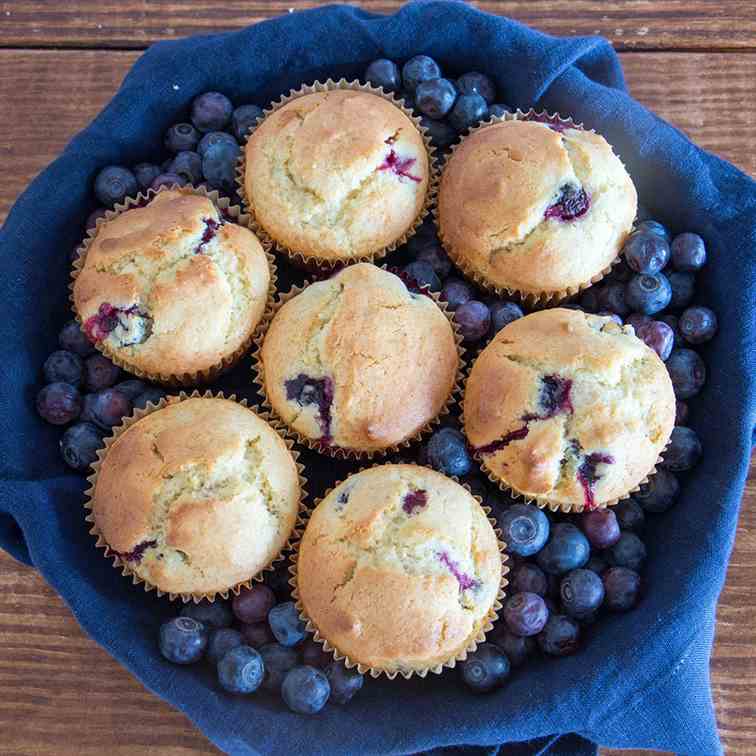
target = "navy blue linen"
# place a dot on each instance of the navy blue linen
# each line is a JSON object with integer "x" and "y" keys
{"x": 643, "y": 679}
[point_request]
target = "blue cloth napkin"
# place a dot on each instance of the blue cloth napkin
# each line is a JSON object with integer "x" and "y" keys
{"x": 642, "y": 679}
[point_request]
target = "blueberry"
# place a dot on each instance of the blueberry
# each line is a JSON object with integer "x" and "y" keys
{"x": 100, "y": 373}
{"x": 468, "y": 111}
{"x": 530, "y": 579}
{"x": 681, "y": 413}
{"x": 243, "y": 119}
{"x": 151, "y": 395}
{"x": 219, "y": 166}
{"x": 188, "y": 165}
{"x": 648, "y": 294}
{"x": 582, "y": 593}
{"x": 408, "y": 98}
{"x": 167, "y": 179}
{"x": 630, "y": 515}
{"x": 183, "y": 640}
{"x": 257, "y": 634}
{"x": 345, "y": 683}
{"x": 75, "y": 340}
{"x": 525, "y": 613}
{"x": 620, "y": 272}
{"x": 629, "y": 552}
{"x": 688, "y": 252}
{"x": 305, "y": 690}
{"x": 637, "y": 320}
{"x": 684, "y": 450}
{"x": 180, "y": 137}
{"x": 473, "y": 319}
{"x": 674, "y": 323}
{"x": 63, "y": 366}
{"x": 560, "y": 636}
{"x": 683, "y": 286}
{"x": 278, "y": 581}
{"x": 213, "y": 138}
{"x": 525, "y": 529}
{"x": 654, "y": 227}
{"x": 687, "y": 371}
{"x": 213, "y": 614}
{"x": 106, "y": 408}
{"x": 59, "y": 403}
{"x": 164, "y": 165}
{"x": 313, "y": 654}
{"x": 417, "y": 70}
{"x": 131, "y": 388}
{"x": 567, "y": 549}
{"x": 277, "y": 661}
{"x": 435, "y": 97}
{"x": 516, "y": 647}
{"x": 484, "y": 670}
{"x": 601, "y": 528}
{"x": 596, "y": 564}
{"x": 253, "y": 604}
{"x": 456, "y": 292}
{"x": 698, "y": 324}
{"x": 221, "y": 641}
{"x": 477, "y": 83}
{"x": 211, "y": 111}
{"x": 612, "y": 297}
{"x": 421, "y": 274}
{"x": 433, "y": 254}
{"x": 658, "y": 336}
{"x": 286, "y": 625}
{"x": 447, "y": 452}
{"x": 113, "y": 184}
{"x": 384, "y": 73}
{"x": 503, "y": 313}
{"x": 79, "y": 445}
{"x": 659, "y": 494}
{"x": 423, "y": 237}
{"x": 498, "y": 110}
{"x": 91, "y": 222}
{"x": 622, "y": 588}
{"x": 441, "y": 134}
{"x": 646, "y": 253}
{"x": 241, "y": 670}
{"x": 145, "y": 174}
{"x": 589, "y": 299}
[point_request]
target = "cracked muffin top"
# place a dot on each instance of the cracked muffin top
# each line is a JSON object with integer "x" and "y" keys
{"x": 336, "y": 175}
{"x": 399, "y": 568}
{"x": 568, "y": 409}
{"x": 358, "y": 361}
{"x": 534, "y": 209}
{"x": 172, "y": 287}
{"x": 198, "y": 496}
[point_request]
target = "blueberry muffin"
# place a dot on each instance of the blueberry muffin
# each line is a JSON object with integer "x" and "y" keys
{"x": 197, "y": 497}
{"x": 399, "y": 570}
{"x": 172, "y": 288}
{"x": 358, "y": 361}
{"x": 569, "y": 409}
{"x": 534, "y": 209}
{"x": 336, "y": 175}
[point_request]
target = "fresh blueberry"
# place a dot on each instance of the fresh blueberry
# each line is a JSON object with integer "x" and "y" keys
{"x": 421, "y": 274}
{"x": 278, "y": 581}
{"x": 441, "y": 134}
{"x": 253, "y": 604}
{"x": 659, "y": 493}
{"x": 582, "y": 593}
{"x": 211, "y": 111}
{"x": 596, "y": 564}
{"x": 59, "y": 403}
{"x": 167, "y": 179}
{"x": 417, "y": 70}
{"x": 183, "y": 640}
{"x": 79, "y": 445}
{"x": 145, "y": 174}
{"x": 684, "y": 450}
{"x": 305, "y": 690}
{"x": 477, "y": 83}
{"x": 241, "y": 670}
{"x": 277, "y": 661}
{"x": 516, "y": 647}
{"x": 468, "y": 111}
{"x": 698, "y": 324}
{"x": 384, "y": 73}
{"x": 486, "y": 669}
{"x": 654, "y": 227}
{"x": 257, "y": 634}
{"x": 612, "y": 297}
{"x": 426, "y": 234}
{"x": 683, "y": 286}
{"x": 658, "y": 336}
{"x": 91, "y": 223}
{"x": 243, "y": 119}
{"x": 286, "y": 625}
{"x": 681, "y": 413}
{"x": 646, "y": 253}
{"x": 132, "y": 388}
{"x": 629, "y": 552}
{"x": 525, "y": 613}
{"x": 687, "y": 371}
{"x": 567, "y": 549}
{"x": 100, "y": 373}
{"x": 164, "y": 165}
{"x": 530, "y": 579}
{"x": 503, "y": 313}
{"x": 408, "y": 98}
{"x": 435, "y": 97}
{"x": 589, "y": 299}
{"x": 447, "y": 452}
{"x": 674, "y": 323}
{"x": 456, "y": 292}
{"x": 345, "y": 683}
{"x": 214, "y": 614}
{"x": 622, "y": 588}
{"x": 473, "y": 319}
{"x": 313, "y": 654}
{"x": 525, "y": 529}
{"x": 113, "y": 184}
{"x": 498, "y": 110}
{"x": 151, "y": 395}
{"x": 75, "y": 340}
{"x": 637, "y": 320}
{"x": 180, "y": 137}
{"x": 620, "y": 272}
{"x": 188, "y": 165}
{"x": 106, "y": 408}
{"x": 688, "y": 252}
{"x": 213, "y": 138}
{"x": 560, "y": 636}
{"x": 221, "y": 641}
{"x": 219, "y": 165}
{"x": 433, "y": 254}
{"x": 64, "y": 367}
{"x": 601, "y": 528}
{"x": 648, "y": 294}
{"x": 630, "y": 515}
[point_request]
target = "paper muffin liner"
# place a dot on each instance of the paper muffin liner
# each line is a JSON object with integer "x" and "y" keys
{"x": 228, "y": 211}
{"x": 473, "y": 643}
{"x": 124, "y": 565}
{"x": 316, "y": 262}
{"x": 341, "y": 452}
{"x": 533, "y": 300}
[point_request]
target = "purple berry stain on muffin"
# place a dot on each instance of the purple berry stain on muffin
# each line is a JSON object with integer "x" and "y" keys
{"x": 99, "y": 326}
{"x": 413, "y": 500}
{"x": 398, "y": 165}
{"x": 308, "y": 391}
{"x": 211, "y": 229}
{"x": 588, "y": 476}
{"x": 500, "y": 443}
{"x": 136, "y": 554}
{"x": 573, "y": 203}
{"x": 464, "y": 580}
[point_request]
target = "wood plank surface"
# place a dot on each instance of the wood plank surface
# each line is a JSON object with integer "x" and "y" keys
{"x": 630, "y": 24}
{"x": 62, "y": 695}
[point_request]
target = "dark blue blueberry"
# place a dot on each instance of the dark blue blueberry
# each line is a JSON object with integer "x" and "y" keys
{"x": 601, "y": 528}
{"x": 278, "y": 581}
{"x": 473, "y": 319}
{"x": 168, "y": 179}
{"x": 100, "y": 373}
{"x": 456, "y": 292}
{"x": 688, "y": 252}
{"x": 517, "y": 648}
{"x": 211, "y": 111}
{"x": 622, "y": 588}
{"x": 530, "y": 579}
{"x": 654, "y": 227}
{"x": 637, "y": 320}
{"x": 560, "y": 636}
{"x": 447, "y": 452}
{"x": 305, "y": 690}
{"x": 648, "y": 294}
{"x": 629, "y": 552}
{"x": 698, "y": 324}
{"x": 113, "y": 184}
{"x": 426, "y": 234}
{"x": 421, "y": 274}
{"x": 596, "y": 564}
{"x": 286, "y": 625}
{"x": 441, "y": 134}
{"x": 674, "y": 323}
{"x": 345, "y": 683}
{"x": 659, "y": 494}
{"x": 612, "y": 298}
{"x": 468, "y": 111}
{"x": 75, "y": 340}
{"x": 657, "y": 335}
{"x": 151, "y": 395}
{"x": 213, "y": 138}
{"x": 63, "y": 366}
{"x": 646, "y": 252}
{"x": 145, "y": 174}
{"x": 91, "y": 223}
{"x": 435, "y": 97}
{"x": 79, "y": 445}
{"x": 257, "y": 634}
{"x": 433, "y": 254}
{"x": 241, "y": 670}
{"x": 503, "y": 313}
{"x": 630, "y": 515}
{"x": 582, "y": 593}
{"x": 219, "y": 165}
{"x": 164, "y": 165}
{"x": 683, "y": 285}
{"x": 567, "y": 549}
{"x": 684, "y": 450}
{"x": 687, "y": 371}
{"x": 183, "y": 640}
{"x": 417, "y": 70}
{"x": 106, "y": 408}
{"x": 221, "y": 641}
{"x": 477, "y": 83}
{"x": 277, "y": 660}
{"x": 132, "y": 388}
{"x": 484, "y": 670}
{"x": 180, "y": 137}
{"x": 681, "y": 413}
{"x": 313, "y": 654}
{"x": 59, "y": 403}
{"x": 589, "y": 299}
{"x": 384, "y": 73}
{"x": 620, "y": 272}
{"x": 243, "y": 119}
{"x": 498, "y": 110}
{"x": 525, "y": 613}
{"x": 525, "y": 529}
{"x": 253, "y": 604}
{"x": 214, "y": 614}
{"x": 188, "y": 165}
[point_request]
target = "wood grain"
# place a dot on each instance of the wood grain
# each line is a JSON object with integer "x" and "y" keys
{"x": 62, "y": 695}
{"x": 631, "y": 24}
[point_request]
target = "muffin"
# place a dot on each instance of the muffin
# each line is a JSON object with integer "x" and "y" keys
{"x": 197, "y": 497}
{"x": 569, "y": 409}
{"x": 336, "y": 175}
{"x": 358, "y": 362}
{"x": 399, "y": 570}
{"x": 530, "y": 209}
{"x": 172, "y": 290}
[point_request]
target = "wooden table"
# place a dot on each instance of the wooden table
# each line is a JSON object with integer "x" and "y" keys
{"x": 692, "y": 61}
